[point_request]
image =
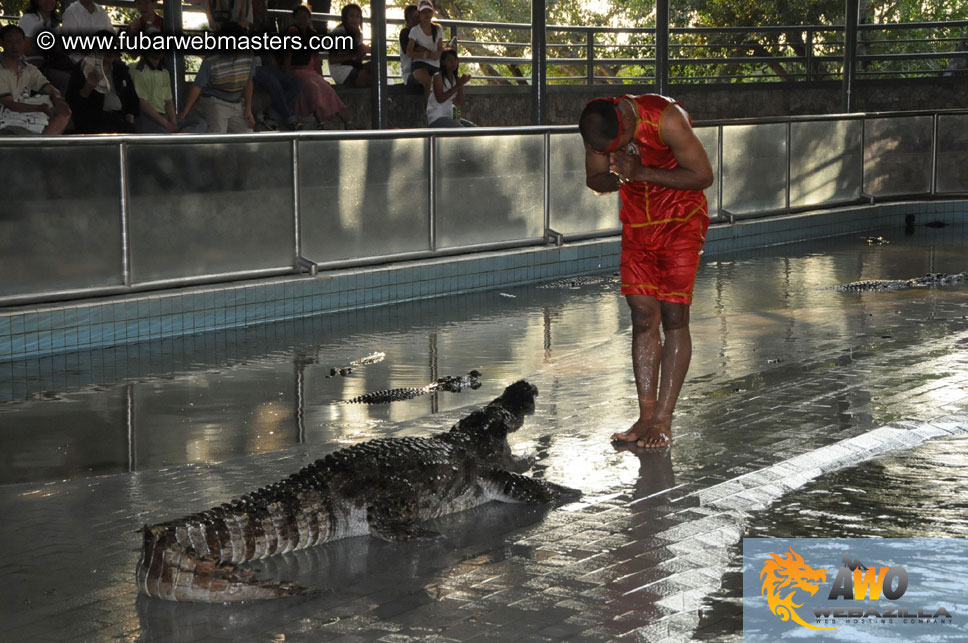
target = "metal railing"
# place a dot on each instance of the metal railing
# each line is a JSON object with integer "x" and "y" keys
{"x": 100, "y": 215}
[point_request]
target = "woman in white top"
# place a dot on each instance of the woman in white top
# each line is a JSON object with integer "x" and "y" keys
{"x": 445, "y": 101}
{"x": 430, "y": 36}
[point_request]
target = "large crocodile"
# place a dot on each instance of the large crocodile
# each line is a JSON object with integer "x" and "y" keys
{"x": 383, "y": 487}
{"x": 930, "y": 280}
{"x": 449, "y": 383}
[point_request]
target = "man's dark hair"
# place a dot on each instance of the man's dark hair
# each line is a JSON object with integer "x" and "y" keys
{"x": 409, "y": 11}
{"x": 598, "y": 123}
{"x": 6, "y": 29}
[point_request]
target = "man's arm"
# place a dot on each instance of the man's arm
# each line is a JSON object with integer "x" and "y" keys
{"x": 598, "y": 176}
{"x": 694, "y": 171}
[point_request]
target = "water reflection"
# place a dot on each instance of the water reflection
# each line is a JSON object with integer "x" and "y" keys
{"x": 218, "y": 395}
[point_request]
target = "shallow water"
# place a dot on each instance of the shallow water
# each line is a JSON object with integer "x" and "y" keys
{"x": 218, "y": 395}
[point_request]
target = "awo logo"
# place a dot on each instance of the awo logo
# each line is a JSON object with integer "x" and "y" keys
{"x": 784, "y": 576}
{"x": 849, "y": 598}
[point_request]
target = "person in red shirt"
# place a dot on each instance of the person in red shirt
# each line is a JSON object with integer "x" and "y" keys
{"x": 644, "y": 147}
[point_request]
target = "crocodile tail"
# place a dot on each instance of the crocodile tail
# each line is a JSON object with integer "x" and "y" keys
{"x": 173, "y": 571}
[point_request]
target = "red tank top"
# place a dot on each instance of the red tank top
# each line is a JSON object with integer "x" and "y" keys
{"x": 647, "y": 204}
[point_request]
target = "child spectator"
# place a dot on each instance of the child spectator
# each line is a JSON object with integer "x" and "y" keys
{"x": 411, "y": 18}
{"x": 41, "y": 15}
{"x": 222, "y": 12}
{"x": 223, "y": 89}
{"x": 153, "y": 86}
{"x": 101, "y": 94}
{"x": 281, "y": 88}
{"x": 22, "y": 111}
{"x": 346, "y": 64}
{"x": 447, "y": 97}
{"x": 430, "y": 38}
{"x": 316, "y": 96}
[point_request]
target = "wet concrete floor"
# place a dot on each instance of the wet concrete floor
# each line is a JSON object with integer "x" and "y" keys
{"x": 96, "y": 445}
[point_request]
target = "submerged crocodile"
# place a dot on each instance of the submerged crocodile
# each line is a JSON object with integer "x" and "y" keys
{"x": 383, "y": 487}
{"x": 930, "y": 280}
{"x": 450, "y": 383}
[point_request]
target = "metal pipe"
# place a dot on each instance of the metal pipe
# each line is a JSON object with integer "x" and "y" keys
{"x": 378, "y": 64}
{"x": 850, "y": 51}
{"x": 432, "y": 191}
{"x": 125, "y": 223}
{"x": 546, "y": 192}
{"x": 539, "y": 72}
{"x": 934, "y": 156}
{"x": 661, "y": 46}
{"x": 172, "y": 23}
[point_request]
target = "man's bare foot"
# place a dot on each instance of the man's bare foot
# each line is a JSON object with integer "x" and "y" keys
{"x": 657, "y": 433}
{"x": 633, "y": 432}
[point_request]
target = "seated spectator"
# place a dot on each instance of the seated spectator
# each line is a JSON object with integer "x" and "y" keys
{"x": 346, "y": 64}
{"x": 102, "y": 95}
{"x": 429, "y": 36}
{"x": 447, "y": 97}
{"x": 316, "y": 96}
{"x": 148, "y": 18}
{"x": 22, "y": 110}
{"x": 153, "y": 86}
{"x": 41, "y": 15}
{"x": 411, "y": 18}
{"x": 223, "y": 89}
{"x": 221, "y": 12}
{"x": 85, "y": 17}
{"x": 282, "y": 89}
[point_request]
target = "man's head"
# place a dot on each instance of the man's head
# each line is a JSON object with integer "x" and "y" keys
{"x": 13, "y": 40}
{"x": 601, "y": 126}
{"x": 146, "y": 7}
{"x": 411, "y": 16}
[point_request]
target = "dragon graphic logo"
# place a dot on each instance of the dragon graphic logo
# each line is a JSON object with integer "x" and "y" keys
{"x": 789, "y": 572}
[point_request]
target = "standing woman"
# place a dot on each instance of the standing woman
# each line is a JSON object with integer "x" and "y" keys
{"x": 316, "y": 96}
{"x": 346, "y": 64}
{"x": 430, "y": 36}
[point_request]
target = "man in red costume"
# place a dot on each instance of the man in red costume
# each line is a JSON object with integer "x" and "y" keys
{"x": 644, "y": 146}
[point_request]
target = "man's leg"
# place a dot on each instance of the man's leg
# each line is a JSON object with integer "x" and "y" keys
{"x": 676, "y": 355}
{"x": 646, "y": 355}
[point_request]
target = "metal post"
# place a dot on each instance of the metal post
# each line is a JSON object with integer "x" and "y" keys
{"x": 851, "y": 14}
{"x": 539, "y": 71}
{"x": 175, "y": 59}
{"x": 125, "y": 216}
{"x": 590, "y": 55}
{"x": 378, "y": 63}
{"x": 808, "y": 63}
{"x": 661, "y": 46}
{"x": 432, "y": 190}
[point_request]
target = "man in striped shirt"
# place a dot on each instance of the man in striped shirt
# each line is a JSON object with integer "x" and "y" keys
{"x": 223, "y": 89}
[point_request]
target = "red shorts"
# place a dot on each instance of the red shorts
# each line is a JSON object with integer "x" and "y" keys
{"x": 661, "y": 260}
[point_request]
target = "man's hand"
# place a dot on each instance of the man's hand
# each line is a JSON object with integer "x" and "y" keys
{"x": 624, "y": 165}
{"x": 249, "y": 119}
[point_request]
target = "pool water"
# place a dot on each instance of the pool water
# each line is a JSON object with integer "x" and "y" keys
{"x": 219, "y": 395}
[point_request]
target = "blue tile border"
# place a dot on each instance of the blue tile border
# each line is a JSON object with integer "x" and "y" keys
{"x": 34, "y": 331}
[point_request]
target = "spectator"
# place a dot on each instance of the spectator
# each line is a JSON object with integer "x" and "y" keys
{"x": 85, "y": 17}
{"x": 101, "y": 94}
{"x": 445, "y": 101}
{"x": 41, "y": 15}
{"x": 346, "y": 64}
{"x": 411, "y": 18}
{"x": 148, "y": 18}
{"x": 430, "y": 38}
{"x": 157, "y": 108}
{"x": 22, "y": 111}
{"x": 282, "y": 89}
{"x": 223, "y": 89}
{"x": 316, "y": 97}
{"x": 222, "y": 12}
